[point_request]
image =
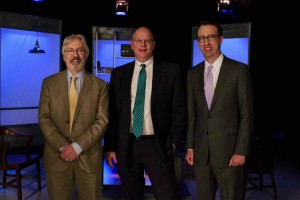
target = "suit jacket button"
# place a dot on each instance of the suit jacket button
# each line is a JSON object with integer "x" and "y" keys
{"x": 67, "y": 122}
{"x": 209, "y": 116}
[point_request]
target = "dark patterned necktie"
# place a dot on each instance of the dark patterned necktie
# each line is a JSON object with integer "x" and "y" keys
{"x": 138, "y": 110}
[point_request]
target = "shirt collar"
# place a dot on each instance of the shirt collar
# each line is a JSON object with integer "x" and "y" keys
{"x": 147, "y": 63}
{"x": 79, "y": 75}
{"x": 217, "y": 64}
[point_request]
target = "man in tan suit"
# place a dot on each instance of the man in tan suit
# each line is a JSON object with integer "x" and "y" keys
{"x": 73, "y": 150}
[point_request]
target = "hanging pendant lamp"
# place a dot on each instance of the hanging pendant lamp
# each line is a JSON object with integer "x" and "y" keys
{"x": 36, "y": 48}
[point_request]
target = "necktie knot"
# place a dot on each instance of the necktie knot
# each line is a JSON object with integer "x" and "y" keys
{"x": 74, "y": 78}
{"x": 209, "y": 68}
{"x": 143, "y": 66}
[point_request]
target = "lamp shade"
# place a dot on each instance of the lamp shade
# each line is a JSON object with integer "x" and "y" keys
{"x": 36, "y": 48}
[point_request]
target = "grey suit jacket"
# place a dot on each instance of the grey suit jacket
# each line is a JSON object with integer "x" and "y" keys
{"x": 90, "y": 121}
{"x": 225, "y": 129}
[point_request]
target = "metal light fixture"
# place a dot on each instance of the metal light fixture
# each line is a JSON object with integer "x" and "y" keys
{"x": 36, "y": 48}
{"x": 122, "y": 7}
{"x": 224, "y": 7}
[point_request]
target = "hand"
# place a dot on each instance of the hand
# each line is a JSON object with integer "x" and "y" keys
{"x": 111, "y": 158}
{"x": 68, "y": 153}
{"x": 189, "y": 157}
{"x": 237, "y": 160}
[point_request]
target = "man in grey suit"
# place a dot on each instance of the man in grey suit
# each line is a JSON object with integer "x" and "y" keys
{"x": 164, "y": 120}
{"x": 219, "y": 132}
{"x": 73, "y": 150}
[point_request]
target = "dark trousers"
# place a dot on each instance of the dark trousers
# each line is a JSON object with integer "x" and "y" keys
{"x": 228, "y": 180}
{"x": 144, "y": 155}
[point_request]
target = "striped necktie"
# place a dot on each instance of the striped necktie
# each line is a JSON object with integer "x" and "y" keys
{"x": 138, "y": 110}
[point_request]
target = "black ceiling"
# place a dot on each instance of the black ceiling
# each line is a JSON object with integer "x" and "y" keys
{"x": 140, "y": 11}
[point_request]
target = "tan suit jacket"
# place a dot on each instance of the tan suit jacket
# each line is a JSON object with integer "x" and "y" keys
{"x": 90, "y": 121}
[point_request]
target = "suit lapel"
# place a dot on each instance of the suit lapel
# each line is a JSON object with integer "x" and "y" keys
{"x": 87, "y": 83}
{"x": 221, "y": 79}
{"x": 126, "y": 81}
{"x": 201, "y": 81}
{"x": 63, "y": 82}
{"x": 128, "y": 78}
{"x": 199, "y": 87}
{"x": 156, "y": 76}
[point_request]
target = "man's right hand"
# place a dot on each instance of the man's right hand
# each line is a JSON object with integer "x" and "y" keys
{"x": 111, "y": 158}
{"x": 189, "y": 157}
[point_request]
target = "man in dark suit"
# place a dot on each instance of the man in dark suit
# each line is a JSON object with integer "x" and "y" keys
{"x": 164, "y": 120}
{"x": 219, "y": 132}
{"x": 73, "y": 150}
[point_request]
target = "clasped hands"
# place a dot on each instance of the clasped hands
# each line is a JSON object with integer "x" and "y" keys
{"x": 68, "y": 153}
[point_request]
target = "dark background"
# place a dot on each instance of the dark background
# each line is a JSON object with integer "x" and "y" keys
{"x": 275, "y": 88}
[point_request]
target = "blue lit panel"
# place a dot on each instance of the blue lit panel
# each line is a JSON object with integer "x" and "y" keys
{"x": 22, "y": 73}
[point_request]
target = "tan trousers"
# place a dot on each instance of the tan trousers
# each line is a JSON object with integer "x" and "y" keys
{"x": 61, "y": 185}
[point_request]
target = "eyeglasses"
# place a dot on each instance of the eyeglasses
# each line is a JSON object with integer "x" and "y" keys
{"x": 71, "y": 52}
{"x": 210, "y": 38}
{"x": 140, "y": 41}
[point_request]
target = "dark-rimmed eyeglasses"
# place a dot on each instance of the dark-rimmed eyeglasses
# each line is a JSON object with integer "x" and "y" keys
{"x": 210, "y": 38}
{"x": 71, "y": 52}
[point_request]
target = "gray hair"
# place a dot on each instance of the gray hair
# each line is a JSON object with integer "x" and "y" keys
{"x": 71, "y": 38}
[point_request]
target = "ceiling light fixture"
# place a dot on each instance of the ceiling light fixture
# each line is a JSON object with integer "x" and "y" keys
{"x": 122, "y": 7}
{"x": 224, "y": 7}
{"x": 36, "y": 48}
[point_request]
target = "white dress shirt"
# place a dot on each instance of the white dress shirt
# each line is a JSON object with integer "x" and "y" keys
{"x": 215, "y": 70}
{"x": 148, "y": 124}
